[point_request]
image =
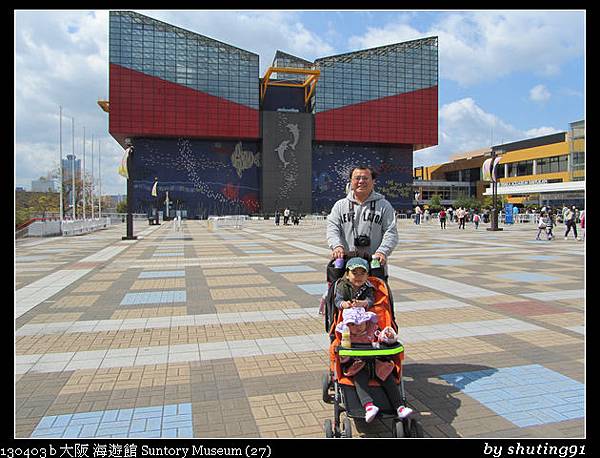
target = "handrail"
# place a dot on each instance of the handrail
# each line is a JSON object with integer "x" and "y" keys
{"x": 33, "y": 220}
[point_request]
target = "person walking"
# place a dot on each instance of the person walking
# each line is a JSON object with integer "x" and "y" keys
{"x": 569, "y": 219}
{"x": 542, "y": 226}
{"x": 550, "y": 223}
{"x": 450, "y": 214}
{"x": 418, "y": 213}
{"x": 460, "y": 214}
{"x": 426, "y": 215}
{"x": 476, "y": 219}
{"x": 277, "y": 217}
{"x": 442, "y": 217}
{"x": 286, "y": 216}
{"x": 363, "y": 223}
{"x": 582, "y": 222}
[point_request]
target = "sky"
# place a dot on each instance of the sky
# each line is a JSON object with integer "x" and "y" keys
{"x": 504, "y": 75}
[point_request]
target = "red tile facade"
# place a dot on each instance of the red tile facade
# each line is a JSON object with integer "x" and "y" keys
{"x": 143, "y": 105}
{"x": 409, "y": 118}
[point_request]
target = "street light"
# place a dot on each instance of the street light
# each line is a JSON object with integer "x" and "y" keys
{"x": 494, "y": 216}
{"x": 129, "y": 149}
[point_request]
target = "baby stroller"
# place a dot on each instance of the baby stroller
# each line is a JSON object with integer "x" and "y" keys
{"x": 338, "y": 389}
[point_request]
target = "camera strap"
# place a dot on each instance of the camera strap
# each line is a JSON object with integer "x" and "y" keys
{"x": 372, "y": 208}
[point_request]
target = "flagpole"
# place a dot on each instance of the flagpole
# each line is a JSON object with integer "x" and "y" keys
{"x": 99, "y": 183}
{"x": 73, "y": 191}
{"x": 83, "y": 175}
{"x": 92, "y": 183}
{"x": 60, "y": 164}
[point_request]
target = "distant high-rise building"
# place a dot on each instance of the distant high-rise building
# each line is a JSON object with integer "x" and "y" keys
{"x": 43, "y": 185}
{"x": 67, "y": 172}
{"x": 67, "y": 165}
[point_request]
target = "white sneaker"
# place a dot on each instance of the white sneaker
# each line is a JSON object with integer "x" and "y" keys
{"x": 371, "y": 412}
{"x": 404, "y": 412}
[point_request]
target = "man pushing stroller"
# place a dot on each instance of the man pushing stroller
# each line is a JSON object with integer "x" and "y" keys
{"x": 364, "y": 222}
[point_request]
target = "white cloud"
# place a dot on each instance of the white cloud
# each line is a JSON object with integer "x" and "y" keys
{"x": 61, "y": 58}
{"x": 464, "y": 126}
{"x": 539, "y": 93}
{"x": 485, "y": 45}
{"x": 540, "y": 131}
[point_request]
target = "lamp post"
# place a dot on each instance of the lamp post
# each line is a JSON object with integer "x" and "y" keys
{"x": 129, "y": 235}
{"x": 494, "y": 215}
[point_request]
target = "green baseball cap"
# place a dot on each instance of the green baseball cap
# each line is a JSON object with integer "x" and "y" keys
{"x": 355, "y": 263}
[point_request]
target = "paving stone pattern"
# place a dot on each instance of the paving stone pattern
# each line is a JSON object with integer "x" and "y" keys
{"x": 202, "y": 333}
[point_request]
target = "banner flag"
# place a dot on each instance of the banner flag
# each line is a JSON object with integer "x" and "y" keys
{"x": 123, "y": 165}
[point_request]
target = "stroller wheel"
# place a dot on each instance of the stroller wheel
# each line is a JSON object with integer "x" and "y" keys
{"x": 327, "y": 397}
{"x": 398, "y": 429}
{"x": 415, "y": 428}
{"x": 347, "y": 428}
{"x": 328, "y": 428}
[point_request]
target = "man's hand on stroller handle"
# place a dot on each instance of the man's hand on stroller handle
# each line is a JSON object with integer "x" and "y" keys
{"x": 338, "y": 252}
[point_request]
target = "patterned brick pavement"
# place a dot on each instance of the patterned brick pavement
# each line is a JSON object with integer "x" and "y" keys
{"x": 204, "y": 333}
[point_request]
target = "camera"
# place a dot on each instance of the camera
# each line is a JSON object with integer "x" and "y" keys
{"x": 362, "y": 241}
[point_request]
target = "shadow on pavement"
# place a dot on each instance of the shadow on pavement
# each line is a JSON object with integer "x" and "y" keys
{"x": 431, "y": 397}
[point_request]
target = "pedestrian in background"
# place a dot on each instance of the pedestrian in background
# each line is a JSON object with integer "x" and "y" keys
{"x": 418, "y": 212}
{"x": 277, "y": 217}
{"x": 542, "y": 226}
{"x": 442, "y": 218}
{"x": 582, "y": 222}
{"x": 550, "y": 223}
{"x": 461, "y": 214}
{"x": 476, "y": 219}
{"x": 569, "y": 219}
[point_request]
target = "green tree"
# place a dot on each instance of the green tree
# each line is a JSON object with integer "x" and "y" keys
{"x": 122, "y": 206}
{"x": 22, "y": 215}
{"x": 47, "y": 203}
{"x": 467, "y": 202}
{"x": 488, "y": 201}
{"x": 435, "y": 203}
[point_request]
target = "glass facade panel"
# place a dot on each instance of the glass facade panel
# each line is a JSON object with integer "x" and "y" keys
{"x": 379, "y": 95}
{"x": 149, "y": 42}
{"x": 168, "y": 81}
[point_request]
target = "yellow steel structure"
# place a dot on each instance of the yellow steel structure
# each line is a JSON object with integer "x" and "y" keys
{"x": 104, "y": 105}
{"x": 309, "y": 83}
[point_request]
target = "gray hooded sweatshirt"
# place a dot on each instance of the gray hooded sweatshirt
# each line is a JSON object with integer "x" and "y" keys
{"x": 379, "y": 225}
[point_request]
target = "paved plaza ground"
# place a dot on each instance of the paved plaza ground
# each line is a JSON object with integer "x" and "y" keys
{"x": 216, "y": 333}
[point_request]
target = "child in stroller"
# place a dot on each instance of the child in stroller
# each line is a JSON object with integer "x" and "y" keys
{"x": 363, "y": 329}
{"x": 365, "y": 376}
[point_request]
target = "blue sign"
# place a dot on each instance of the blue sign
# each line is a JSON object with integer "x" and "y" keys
{"x": 508, "y": 214}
